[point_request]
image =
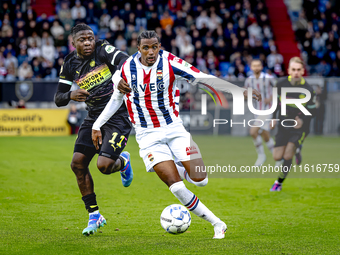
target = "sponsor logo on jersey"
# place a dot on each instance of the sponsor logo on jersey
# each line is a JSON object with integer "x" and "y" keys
{"x": 92, "y": 63}
{"x": 109, "y": 48}
{"x": 94, "y": 78}
{"x": 191, "y": 150}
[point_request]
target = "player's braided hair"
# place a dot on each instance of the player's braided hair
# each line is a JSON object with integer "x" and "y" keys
{"x": 79, "y": 27}
{"x": 147, "y": 35}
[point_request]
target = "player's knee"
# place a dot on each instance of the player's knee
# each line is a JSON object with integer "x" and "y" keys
{"x": 105, "y": 167}
{"x": 77, "y": 167}
{"x": 277, "y": 157}
{"x": 200, "y": 182}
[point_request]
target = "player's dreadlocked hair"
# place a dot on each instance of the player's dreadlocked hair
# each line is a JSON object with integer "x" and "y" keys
{"x": 147, "y": 35}
{"x": 79, "y": 27}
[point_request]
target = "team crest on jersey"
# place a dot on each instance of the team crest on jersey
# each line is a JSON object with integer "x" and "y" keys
{"x": 150, "y": 157}
{"x": 92, "y": 63}
{"x": 191, "y": 150}
{"x": 177, "y": 59}
{"x": 61, "y": 69}
{"x": 159, "y": 74}
{"x": 109, "y": 48}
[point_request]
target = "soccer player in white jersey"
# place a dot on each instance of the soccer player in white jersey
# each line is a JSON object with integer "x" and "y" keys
{"x": 263, "y": 83}
{"x": 151, "y": 74}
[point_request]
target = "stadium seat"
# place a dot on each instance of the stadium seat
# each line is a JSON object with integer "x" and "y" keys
{"x": 224, "y": 67}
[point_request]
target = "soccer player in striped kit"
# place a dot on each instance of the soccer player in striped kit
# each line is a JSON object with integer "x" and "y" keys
{"x": 263, "y": 83}
{"x": 151, "y": 74}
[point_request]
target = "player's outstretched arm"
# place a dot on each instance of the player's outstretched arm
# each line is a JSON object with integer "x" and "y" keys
{"x": 183, "y": 70}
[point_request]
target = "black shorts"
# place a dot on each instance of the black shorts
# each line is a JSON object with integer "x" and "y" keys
{"x": 284, "y": 136}
{"x": 114, "y": 139}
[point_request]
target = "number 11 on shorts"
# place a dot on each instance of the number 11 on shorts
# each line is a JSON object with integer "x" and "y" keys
{"x": 113, "y": 142}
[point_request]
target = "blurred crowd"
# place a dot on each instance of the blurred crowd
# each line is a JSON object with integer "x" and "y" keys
{"x": 317, "y": 31}
{"x": 219, "y": 37}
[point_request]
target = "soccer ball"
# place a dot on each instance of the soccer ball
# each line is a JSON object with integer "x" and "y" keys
{"x": 175, "y": 219}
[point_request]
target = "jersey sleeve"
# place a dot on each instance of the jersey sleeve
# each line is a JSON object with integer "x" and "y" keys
{"x": 65, "y": 75}
{"x": 111, "y": 55}
{"x": 185, "y": 71}
{"x": 247, "y": 83}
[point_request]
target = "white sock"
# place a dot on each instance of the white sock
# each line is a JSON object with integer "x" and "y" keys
{"x": 184, "y": 174}
{"x": 270, "y": 144}
{"x": 258, "y": 145}
{"x": 188, "y": 199}
{"x": 95, "y": 212}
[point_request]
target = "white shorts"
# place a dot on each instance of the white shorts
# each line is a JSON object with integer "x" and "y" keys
{"x": 265, "y": 123}
{"x": 166, "y": 143}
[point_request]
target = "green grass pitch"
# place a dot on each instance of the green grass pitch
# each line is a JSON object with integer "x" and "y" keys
{"x": 41, "y": 211}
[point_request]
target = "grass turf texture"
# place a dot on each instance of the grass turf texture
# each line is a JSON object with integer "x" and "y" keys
{"x": 41, "y": 210}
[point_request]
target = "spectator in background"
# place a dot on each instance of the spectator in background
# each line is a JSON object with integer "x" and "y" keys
{"x": 78, "y": 11}
{"x": 57, "y": 29}
{"x": 141, "y": 22}
{"x": 46, "y": 37}
{"x": 11, "y": 72}
{"x": 34, "y": 39}
{"x": 202, "y": 20}
{"x": 49, "y": 72}
{"x": 120, "y": 42}
{"x": 274, "y": 58}
{"x": 48, "y": 51}
{"x": 212, "y": 62}
{"x": 186, "y": 49}
{"x": 323, "y": 68}
{"x": 153, "y": 22}
{"x": 10, "y": 59}
{"x": 73, "y": 119}
{"x": 200, "y": 61}
{"x": 64, "y": 11}
{"x": 124, "y": 14}
{"x": 180, "y": 20}
{"x": 25, "y": 71}
{"x": 21, "y": 104}
{"x": 173, "y": 48}
{"x": 33, "y": 51}
{"x": 318, "y": 43}
{"x": 3, "y": 71}
{"x": 166, "y": 20}
{"x": 37, "y": 69}
{"x": 133, "y": 47}
{"x": 117, "y": 24}
{"x": 91, "y": 14}
{"x": 255, "y": 30}
{"x": 215, "y": 21}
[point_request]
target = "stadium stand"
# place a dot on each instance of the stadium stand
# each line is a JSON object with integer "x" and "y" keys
{"x": 219, "y": 37}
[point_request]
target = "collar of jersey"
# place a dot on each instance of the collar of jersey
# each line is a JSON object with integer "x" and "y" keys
{"x": 146, "y": 68}
{"x": 302, "y": 82}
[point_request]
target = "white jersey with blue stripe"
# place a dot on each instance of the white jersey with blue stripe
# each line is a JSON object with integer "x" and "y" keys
{"x": 154, "y": 96}
{"x": 264, "y": 84}
{"x": 152, "y": 101}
